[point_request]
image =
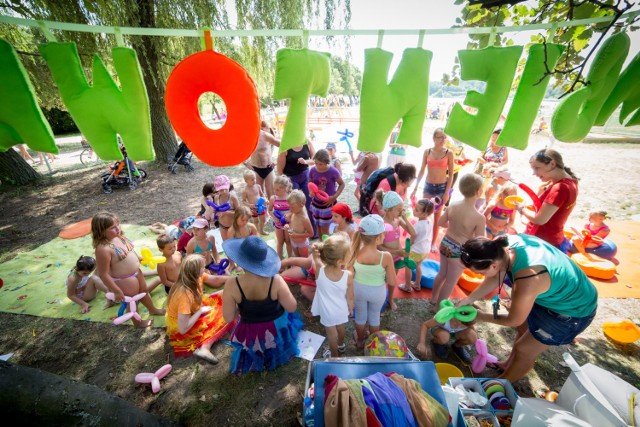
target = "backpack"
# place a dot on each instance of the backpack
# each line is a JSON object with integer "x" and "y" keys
{"x": 367, "y": 190}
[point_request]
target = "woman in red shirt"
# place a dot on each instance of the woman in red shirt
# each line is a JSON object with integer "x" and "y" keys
{"x": 558, "y": 198}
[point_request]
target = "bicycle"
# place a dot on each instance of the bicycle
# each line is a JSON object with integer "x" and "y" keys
{"x": 87, "y": 153}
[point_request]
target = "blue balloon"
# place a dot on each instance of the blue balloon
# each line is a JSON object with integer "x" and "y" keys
{"x": 430, "y": 269}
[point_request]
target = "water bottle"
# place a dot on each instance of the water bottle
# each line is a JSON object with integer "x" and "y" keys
{"x": 309, "y": 412}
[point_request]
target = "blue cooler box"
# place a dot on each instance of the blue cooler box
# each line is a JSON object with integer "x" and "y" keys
{"x": 351, "y": 368}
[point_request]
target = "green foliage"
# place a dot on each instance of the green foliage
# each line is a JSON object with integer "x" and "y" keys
{"x": 60, "y": 121}
{"x": 579, "y": 41}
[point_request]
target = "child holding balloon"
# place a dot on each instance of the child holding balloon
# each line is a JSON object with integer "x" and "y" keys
{"x": 117, "y": 263}
{"x": 463, "y": 333}
{"x": 251, "y": 195}
{"x": 278, "y": 209}
{"x": 499, "y": 216}
{"x": 329, "y": 183}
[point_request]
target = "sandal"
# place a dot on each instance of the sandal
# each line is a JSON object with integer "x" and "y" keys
{"x": 342, "y": 348}
{"x": 416, "y": 286}
{"x": 405, "y": 288}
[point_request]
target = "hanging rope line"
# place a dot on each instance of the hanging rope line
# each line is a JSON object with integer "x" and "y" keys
{"x": 137, "y": 31}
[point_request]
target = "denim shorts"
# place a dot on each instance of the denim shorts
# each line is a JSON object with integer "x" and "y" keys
{"x": 432, "y": 190}
{"x": 564, "y": 246}
{"x": 552, "y": 328}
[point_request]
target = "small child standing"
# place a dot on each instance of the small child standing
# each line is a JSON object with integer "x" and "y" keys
{"x": 333, "y": 300}
{"x": 463, "y": 334}
{"x": 498, "y": 216}
{"x": 250, "y": 195}
{"x": 326, "y": 177}
{"x": 168, "y": 270}
{"x": 394, "y": 219}
{"x": 421, "y": 244}
{"x": 279, "y": 204}
{"x": 371, "y": 269}
{"x": 299, "y": 228}
{"x": 463, "y": 222}
{"x": 224, "y": 196}
{"x": 241, "y": 225}
{"x": 82, "y": 287}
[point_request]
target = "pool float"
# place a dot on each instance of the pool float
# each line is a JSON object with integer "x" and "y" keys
{"x": 624, "y": 332}
{"x": 594, "y": 266}
{"x": 469, "y": 280}
{"x": 430, "y": 269}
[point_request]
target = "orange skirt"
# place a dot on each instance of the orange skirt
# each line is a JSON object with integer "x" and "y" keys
{"x": 211, "y": 326}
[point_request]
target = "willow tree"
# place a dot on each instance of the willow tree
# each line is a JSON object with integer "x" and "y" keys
{"x": 581, "y": 42}
{"x": 158, "y": 55}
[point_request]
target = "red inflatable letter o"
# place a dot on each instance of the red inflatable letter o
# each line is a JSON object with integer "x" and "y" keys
{"x": 209, "y": 71}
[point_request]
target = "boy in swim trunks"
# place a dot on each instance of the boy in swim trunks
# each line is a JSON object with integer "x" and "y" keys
{"x": 299, "y": 227}
{"x": 250, "y": 195}
{"x": 463, "y": 222}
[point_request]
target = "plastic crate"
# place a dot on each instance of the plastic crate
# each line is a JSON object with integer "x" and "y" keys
{"x": 475, "y": 384}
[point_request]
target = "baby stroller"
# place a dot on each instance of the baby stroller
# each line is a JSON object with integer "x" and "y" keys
{"x": 122, "y": 173}
{"x": 182, "y": 157}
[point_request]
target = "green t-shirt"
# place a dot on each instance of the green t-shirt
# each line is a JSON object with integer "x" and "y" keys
{"x": 571, "y": 293}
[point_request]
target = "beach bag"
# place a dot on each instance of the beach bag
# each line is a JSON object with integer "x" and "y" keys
{"x": 367, "y": 190}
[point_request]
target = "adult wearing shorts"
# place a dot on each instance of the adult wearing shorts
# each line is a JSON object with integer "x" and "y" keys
{"x": 552, "y": 300}
{"x": 261, "y": 160}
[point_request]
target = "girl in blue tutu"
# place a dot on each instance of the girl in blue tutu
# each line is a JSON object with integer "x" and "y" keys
{"x": 266, "y": 335}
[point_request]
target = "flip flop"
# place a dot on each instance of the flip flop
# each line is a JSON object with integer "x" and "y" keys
{"x": 405, "y": 288}
{"x": 416, "y": 288}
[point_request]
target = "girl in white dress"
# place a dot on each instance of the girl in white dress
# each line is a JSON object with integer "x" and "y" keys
{"x": 334, "y": 289}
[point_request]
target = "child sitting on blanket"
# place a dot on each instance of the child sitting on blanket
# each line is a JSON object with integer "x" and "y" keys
{"x": 82, "y": 287}
{"x": 168, "y": 270}
{"x": 118, "y": 265}
{"x": 193, "y": 322}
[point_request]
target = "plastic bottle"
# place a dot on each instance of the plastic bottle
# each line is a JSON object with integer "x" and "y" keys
{"x": 309, "y": 412}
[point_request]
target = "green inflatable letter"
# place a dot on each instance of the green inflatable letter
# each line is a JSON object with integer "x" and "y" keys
{"x": 103, "y": 110}
{"x": 496, "y": 66}
{"x": 299, "y": 73}
{"x": 382, "y": 104}
{"x": 575, "y": 115}
{"x": 627, "y": 93}
{"x": 21, "y": 120}
{"x": 528, "y": 96}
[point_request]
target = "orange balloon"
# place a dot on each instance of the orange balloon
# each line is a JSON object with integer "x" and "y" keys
{"x": 210, "y": 71}
{"x": 551, "y": 396}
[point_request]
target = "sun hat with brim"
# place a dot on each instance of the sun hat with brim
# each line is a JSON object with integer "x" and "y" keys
{"x": 253, "y": 255}
{"x": 331, "y": 145}
{"x": 391, "y": 199}
{"x": 371, "y": 225}
{"x": 502, "y": 174}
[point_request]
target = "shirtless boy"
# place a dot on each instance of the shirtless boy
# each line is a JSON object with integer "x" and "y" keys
{"x": 168, "y": 270}
{"x": 261, "y": 161}
{"x": 299, "y": 227}
{"x": 250, "y": 195}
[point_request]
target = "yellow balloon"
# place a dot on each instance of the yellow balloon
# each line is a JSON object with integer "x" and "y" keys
{"x": 149, "y": 260}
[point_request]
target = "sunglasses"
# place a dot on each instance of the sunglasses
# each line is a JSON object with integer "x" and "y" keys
{"x": 467, "y": 259}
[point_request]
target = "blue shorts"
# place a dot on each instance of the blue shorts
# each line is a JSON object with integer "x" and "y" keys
{"x": 564, "y": 246}
{"x": 433, "y": 190}
{"x": 552, "y": 328}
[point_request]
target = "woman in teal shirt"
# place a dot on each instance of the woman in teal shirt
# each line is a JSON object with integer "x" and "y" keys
{"x": 552, "y": 301}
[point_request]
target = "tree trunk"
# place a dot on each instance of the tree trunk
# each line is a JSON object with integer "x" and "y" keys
{"x": 164, "y": 140}
{"x": 15, "y": 170}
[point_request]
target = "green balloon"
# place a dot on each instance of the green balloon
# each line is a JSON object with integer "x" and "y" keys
{"x": 496, "y": 66}
{"x": 448, "y": 311}
{"x": 103, "y": 110}
{"x": 299, "y": 73}
{"x": 627, "y": 93}
{"x": 528, "y": 96}
{"x": 383, "y": 104}
{"x": 21, "y": 119}
{"x": 576, "y": 114}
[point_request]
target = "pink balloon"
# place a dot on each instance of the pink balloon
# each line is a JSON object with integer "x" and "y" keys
{"x": 133, "y": 307}
{"x": 144, "y": 377}
{"x": 154, "y": 379}
{"x": 122, "y": 319}
{"x": 162, "y": 372}
{"x": 483, "y": 357}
